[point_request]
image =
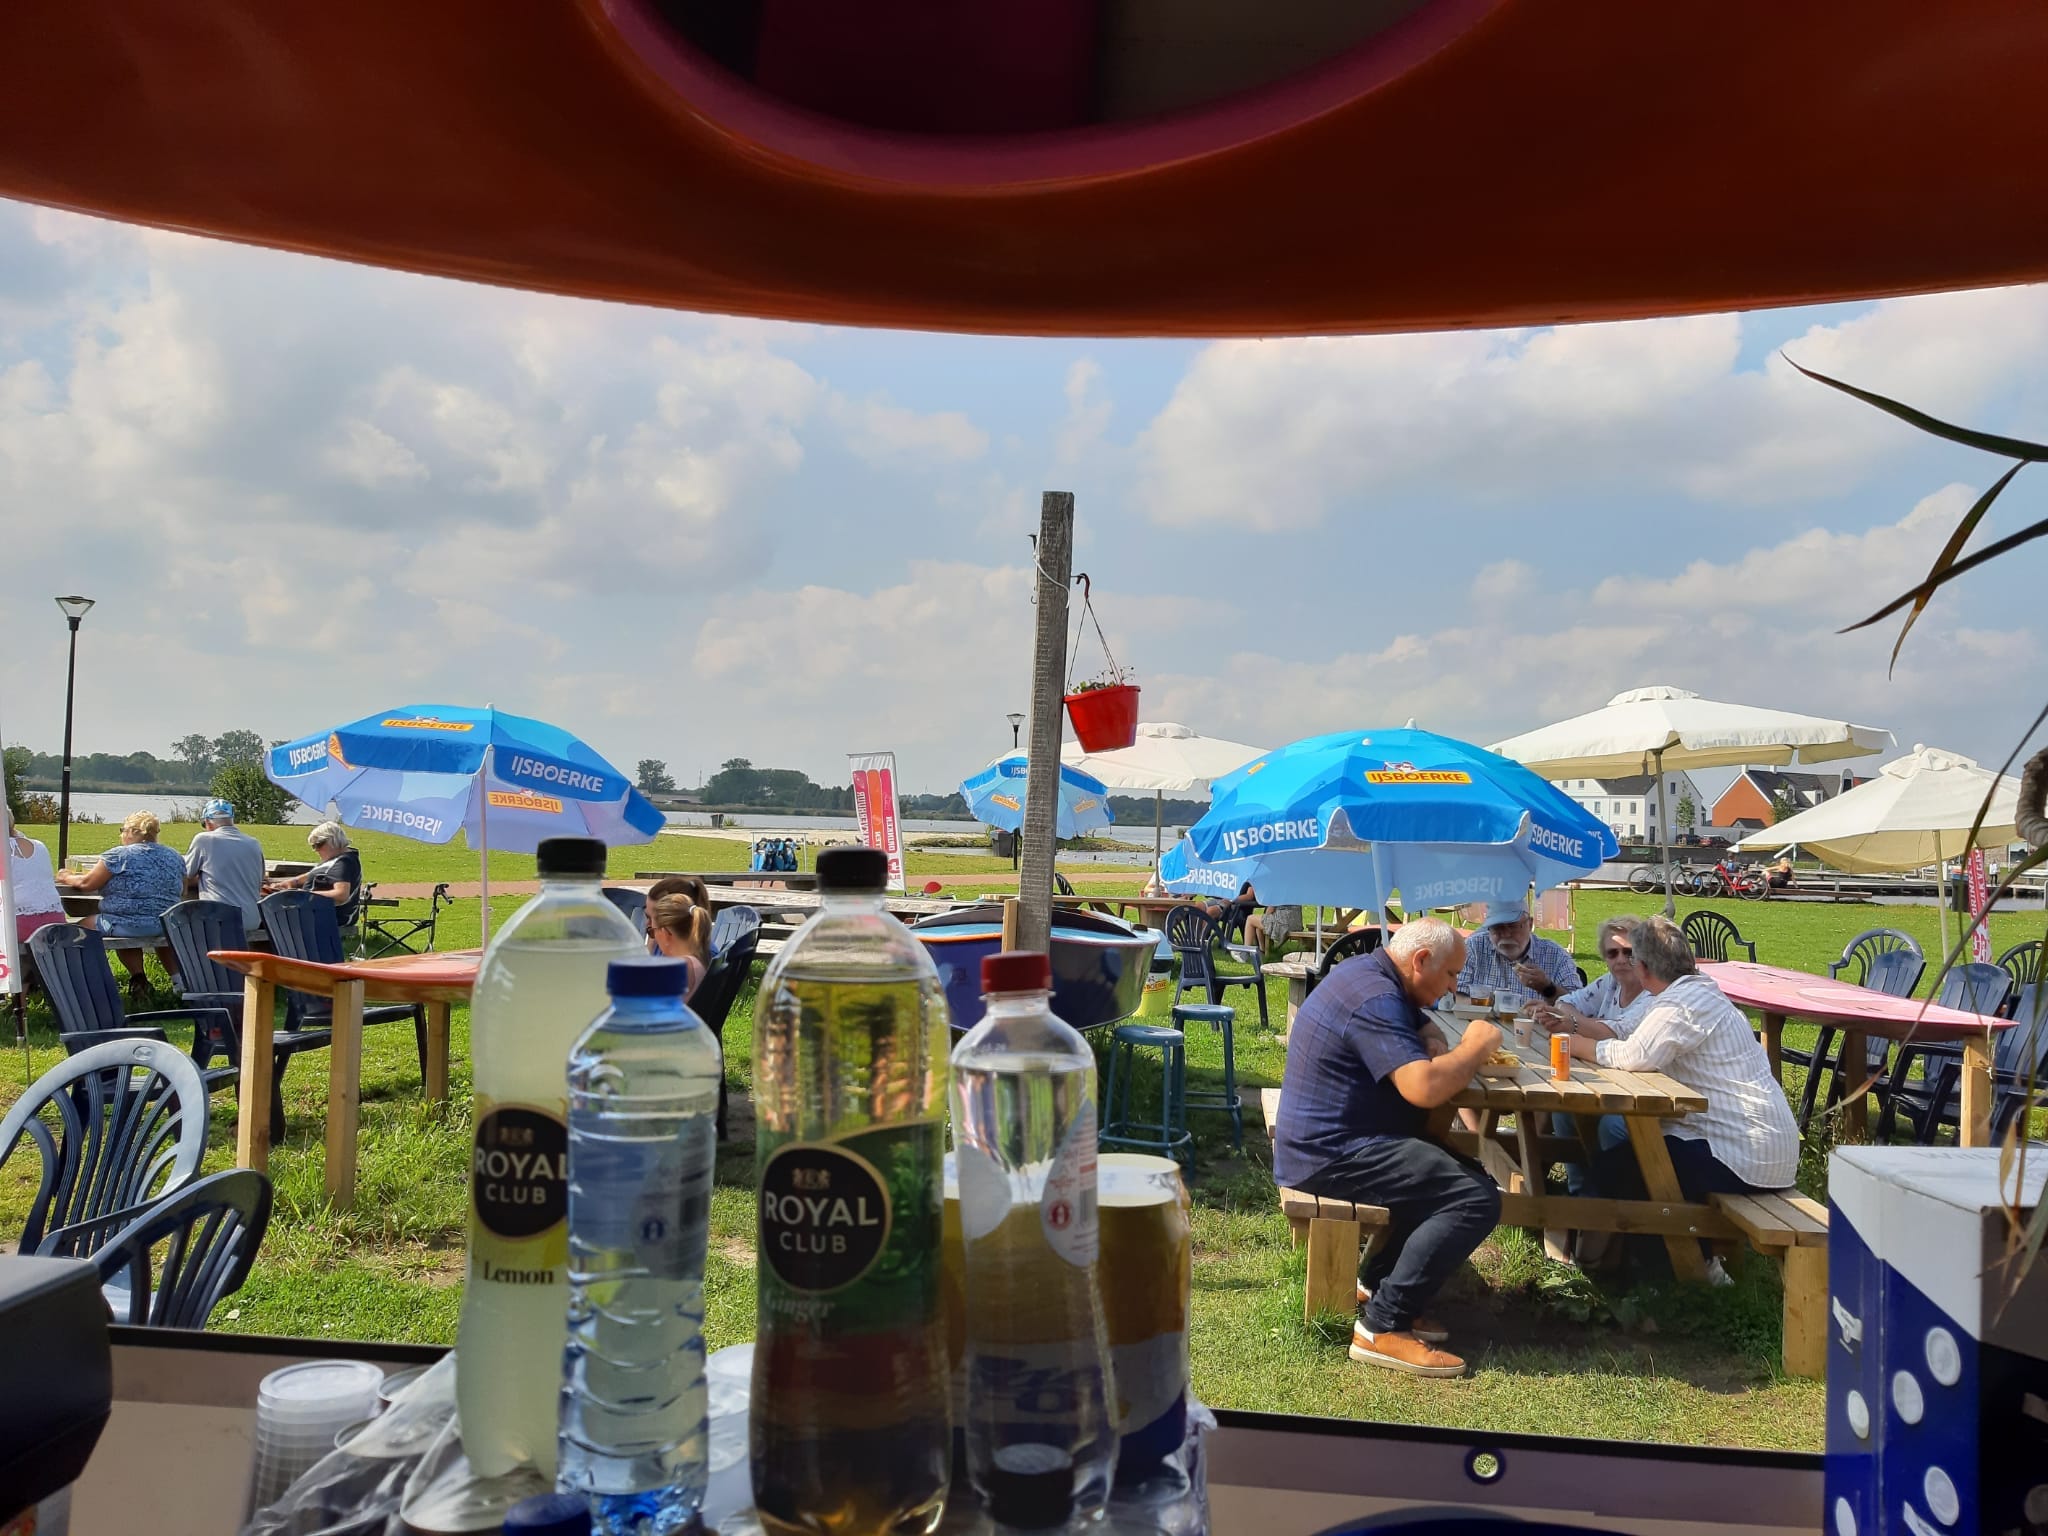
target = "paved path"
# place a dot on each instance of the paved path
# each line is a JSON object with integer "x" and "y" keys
{"x": 471, "y": 890}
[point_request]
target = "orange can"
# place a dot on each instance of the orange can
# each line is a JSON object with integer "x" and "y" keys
{"x": 1561, "y": 1057}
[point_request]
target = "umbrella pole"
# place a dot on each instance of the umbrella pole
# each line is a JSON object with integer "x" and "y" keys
{"x": 483, "y": 825}
{"x": 1158, "y": 827}
{"x": 1664, "y": 838}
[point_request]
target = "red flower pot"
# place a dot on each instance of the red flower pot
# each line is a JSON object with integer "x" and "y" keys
{"x": 1104, "y": 718}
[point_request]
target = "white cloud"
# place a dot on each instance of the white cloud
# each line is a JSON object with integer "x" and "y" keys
{"x": 366, "y": 455}
{"x": 884, "y": 433}
{"x": 1088, "y": 412}
{"x": 1275, "y": 434}
{"x": 1503, "y": 578}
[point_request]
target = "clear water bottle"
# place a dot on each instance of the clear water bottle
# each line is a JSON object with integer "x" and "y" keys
{"x": 851, "y": 1424}
{"x": 643, "y": 1109}
{"x": 1041, "y": 1415}
{"x": 540, "y": 985}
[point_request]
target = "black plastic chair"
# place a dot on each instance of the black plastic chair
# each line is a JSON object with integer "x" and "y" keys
{"x": 1975, "y": 987}
{"x": 303, "y": 927}
{"x": 2019, "y": 1060}
{"x": 2023, "y": 964}
{"x": 72, "y": 962}
{"x": 729, "y": 924}
{"x": 1195, "y": 935}
{"x": 1353, "y": 941}
{"x": 1062, "y": 884}
{"x": 1884, "y": 960}
{"x": 720, "y": 987}
{"x": 196, "y": 929}
{"x": 1713, "y": 937}
{"x": 380, "y": 936}
{"x": 211, "y": 1229}
{"x": 632, "y": 903}
{"x": 118, "y": 1126}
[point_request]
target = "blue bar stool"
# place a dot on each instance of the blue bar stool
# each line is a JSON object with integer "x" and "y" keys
{"x": 1217, "y": 1016}
{"x": 1169, "y": 1135}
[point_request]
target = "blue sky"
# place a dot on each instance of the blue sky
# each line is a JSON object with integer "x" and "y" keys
{"x": 303, "y": 491}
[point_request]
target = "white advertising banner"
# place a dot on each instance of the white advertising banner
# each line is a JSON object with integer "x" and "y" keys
{"x": 874, "y": 806}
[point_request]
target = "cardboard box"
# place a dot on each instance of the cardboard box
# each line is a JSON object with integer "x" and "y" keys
{"x": 1937, "y": 1349}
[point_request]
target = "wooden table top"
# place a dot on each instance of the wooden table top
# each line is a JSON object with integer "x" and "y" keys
{"x": 443, "y": 976}
{"x": 1590, "y": 1089}
{"x": 1790, "y": 994}
{"x": 809, "y": 901}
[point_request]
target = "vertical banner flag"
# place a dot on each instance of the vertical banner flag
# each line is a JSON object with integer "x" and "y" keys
{"x": 1977, "y": 885}
{"x": 874, "y": 804}
{"x": 10, "y": 941}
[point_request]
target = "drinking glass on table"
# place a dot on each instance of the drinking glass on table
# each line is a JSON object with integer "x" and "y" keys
{"x": 1507, "y": 1013}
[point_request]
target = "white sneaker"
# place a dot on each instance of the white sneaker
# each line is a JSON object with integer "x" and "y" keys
{"x": 1717, "y": 1273}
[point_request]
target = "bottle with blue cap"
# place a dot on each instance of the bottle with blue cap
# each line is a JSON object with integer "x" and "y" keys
{"x": 643, "y": 1108}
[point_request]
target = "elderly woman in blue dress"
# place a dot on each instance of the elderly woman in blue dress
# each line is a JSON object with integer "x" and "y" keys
{"x": 137, "y": 881}
{"x": 1607, "y": 1008}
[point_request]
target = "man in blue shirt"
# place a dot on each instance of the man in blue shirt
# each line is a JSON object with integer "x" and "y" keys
{"x": 1364, "y": 1069}
{"x": 1507, "y": 953}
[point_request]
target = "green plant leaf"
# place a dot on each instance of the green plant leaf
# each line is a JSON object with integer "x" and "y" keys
{"x": 1990, "y": 442}
{"x": 1949, "y": 551}
{"x": 1988, "y": 552}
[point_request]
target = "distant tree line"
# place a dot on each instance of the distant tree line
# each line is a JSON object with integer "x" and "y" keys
{"x": 228, "y": 766}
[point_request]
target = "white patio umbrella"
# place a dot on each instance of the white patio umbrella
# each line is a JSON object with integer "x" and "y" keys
{"x": 1647, "y": 730}
{"x": 1166, "y": 759}
{"x": 1916, "y": 811}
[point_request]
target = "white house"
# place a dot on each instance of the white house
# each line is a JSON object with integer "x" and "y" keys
{"x": 1629, "y": 806}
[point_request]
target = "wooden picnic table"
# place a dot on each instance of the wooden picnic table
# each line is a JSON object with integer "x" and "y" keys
{"x": 809, "y": 901}
{"x": 1147, "y": 907}
{"x": 793, "y": 879}
{"x": 1520, "y": 1160}
{"x": 434, "y": 980}
{"x": 1776, "y": 994}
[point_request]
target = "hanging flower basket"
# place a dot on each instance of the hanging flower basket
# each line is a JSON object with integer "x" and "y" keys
{"x": 1105, "y": 717}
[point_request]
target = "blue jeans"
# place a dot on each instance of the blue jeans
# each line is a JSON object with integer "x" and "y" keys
{"x": 1440, "y": 1208}
{"x": 1612, "y": 1133}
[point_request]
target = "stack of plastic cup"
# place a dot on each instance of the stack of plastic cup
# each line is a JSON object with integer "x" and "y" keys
{"x": 299, "y": 1411}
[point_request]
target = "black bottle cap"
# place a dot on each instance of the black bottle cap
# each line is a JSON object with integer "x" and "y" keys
{"x": 853, "y": 869}
{"x": 1031, "y": 1487}
{"x": 570, "y": 856}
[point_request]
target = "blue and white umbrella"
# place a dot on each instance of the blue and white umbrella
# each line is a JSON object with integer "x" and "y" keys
{"x": 1333, "y": 820}
{"x": 427, "y": 771}
{"x": 996, "y": 796}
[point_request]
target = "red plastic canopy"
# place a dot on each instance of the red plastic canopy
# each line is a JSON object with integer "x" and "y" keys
{"x": 1461, "y": 162}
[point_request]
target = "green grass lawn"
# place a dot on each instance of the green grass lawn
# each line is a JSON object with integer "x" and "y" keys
{"x": 1552, "y": 1350}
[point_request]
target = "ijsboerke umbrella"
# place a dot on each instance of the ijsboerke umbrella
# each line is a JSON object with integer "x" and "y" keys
{"x": 996, "y": 796}
{"x": 427, "y": 771}
{"x": 1334, "y": 819}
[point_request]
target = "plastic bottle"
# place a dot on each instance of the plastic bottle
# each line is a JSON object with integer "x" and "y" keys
{"x": 1041, "y": 1415}
{"x": 540, "y": 985}
{"x": 643, "y": 1112}
{"x": 851, "y": 1430}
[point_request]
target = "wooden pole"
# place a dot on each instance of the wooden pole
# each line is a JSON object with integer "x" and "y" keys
{"x": 1048, "y": 685}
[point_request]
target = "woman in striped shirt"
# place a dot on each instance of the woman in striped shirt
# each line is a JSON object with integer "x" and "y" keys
{"x": 1745, "y": 1141}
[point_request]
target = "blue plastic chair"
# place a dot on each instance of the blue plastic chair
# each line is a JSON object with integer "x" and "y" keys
{"x": 72, "y": 962}
{"x": 117, "y": 1126}
{"x": 1218, "y": 1016}
{"x": 211, "y": 1230}
{"x": 632, "y": 902}
{"x": 729, "y": 923}
{"x": 1936, "y": 1100}
{"x": 303, "y": 927}
{"x": 1194, "y": 935}
{"x": 195, "y": 930}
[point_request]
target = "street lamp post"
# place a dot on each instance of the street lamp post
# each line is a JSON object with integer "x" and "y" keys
{"x": 73, "y": 609}
{"x": 1016, "y": 723}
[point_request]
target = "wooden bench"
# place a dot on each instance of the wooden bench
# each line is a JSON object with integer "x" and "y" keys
{"x": 1793, "y": 1230}
{"x": 1333, "y": 1232}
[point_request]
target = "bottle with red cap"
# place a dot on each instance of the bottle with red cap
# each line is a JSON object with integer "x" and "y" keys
{"x": 1041, "y": 1411}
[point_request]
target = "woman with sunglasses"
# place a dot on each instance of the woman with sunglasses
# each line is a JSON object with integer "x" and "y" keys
{"x": 1608, "y": 1008}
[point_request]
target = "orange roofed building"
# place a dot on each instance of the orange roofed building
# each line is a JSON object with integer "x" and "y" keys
{"x": 1745, "y": 805}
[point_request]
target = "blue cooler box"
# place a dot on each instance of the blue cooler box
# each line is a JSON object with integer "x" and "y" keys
{"x": 1937, "y": 1364}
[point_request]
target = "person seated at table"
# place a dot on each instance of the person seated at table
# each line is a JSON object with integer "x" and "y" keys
{"x": 1365, "y": 1067}
{"x": 36, "y": 901}
{"x": 1779, "y": 875}
{"x": 679, "y": 928}
{"x": 224, "y": 863}
{"x": 1607, "y": 1008}
{"x": 1233, "y": 914}
{"x": 1745, "y": 1141}
{"x": 138, "y": 882}
{"x": 1270, "y": 929}
{"x": 338, "y": 876}
{"x": 691, "y": 886}
{"x": 1505, "y": 952}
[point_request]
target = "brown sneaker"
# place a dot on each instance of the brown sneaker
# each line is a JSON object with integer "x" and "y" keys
{"x": 1424, "y": 1327}
{"x": 1403, "y": 1352}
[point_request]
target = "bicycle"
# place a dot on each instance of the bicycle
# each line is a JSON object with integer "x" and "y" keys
{"x": 1725, "y": 880}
